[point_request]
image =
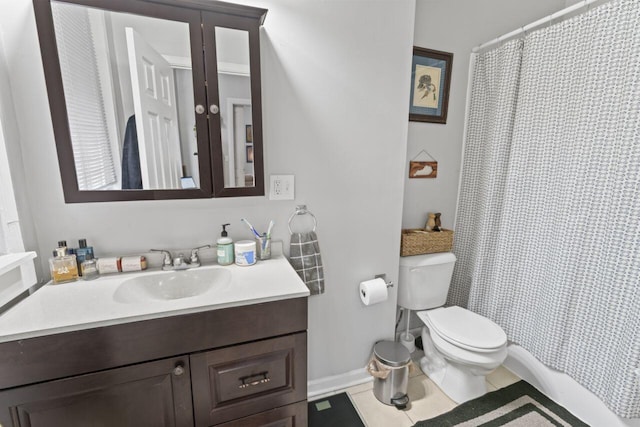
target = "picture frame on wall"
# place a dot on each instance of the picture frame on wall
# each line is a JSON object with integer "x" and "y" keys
{"x": 430, "y": 83}
{"x": 249, "y": 153}
{"x": 249, "y": 132}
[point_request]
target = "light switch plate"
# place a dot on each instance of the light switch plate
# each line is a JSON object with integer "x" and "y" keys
{"x": 281, "y": 187}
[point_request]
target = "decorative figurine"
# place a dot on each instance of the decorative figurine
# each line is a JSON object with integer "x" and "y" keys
{"x": 431, "y": 222}
{"x": 438, "y": 224}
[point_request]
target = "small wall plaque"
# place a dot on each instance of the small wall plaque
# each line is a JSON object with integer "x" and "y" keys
{"x": 427, "y": 168}
{"x": 423, "y": 169}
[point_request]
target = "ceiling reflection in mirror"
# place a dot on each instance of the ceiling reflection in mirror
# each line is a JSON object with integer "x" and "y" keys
{"x": 129, "y": 96}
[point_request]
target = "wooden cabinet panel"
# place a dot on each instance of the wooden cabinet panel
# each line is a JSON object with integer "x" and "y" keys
{"x": 154, "y": 394}
{"x": 287, "y": 416}
{"x": 101, "y": 377}
{"x": 50, "y": 357}
{"x": 247, "y": 379}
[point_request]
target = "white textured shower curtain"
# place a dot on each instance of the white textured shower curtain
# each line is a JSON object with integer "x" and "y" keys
{"x": 548, "y": 224}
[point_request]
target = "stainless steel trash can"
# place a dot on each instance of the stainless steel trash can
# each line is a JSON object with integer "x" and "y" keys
{"x": 394, "y": 358}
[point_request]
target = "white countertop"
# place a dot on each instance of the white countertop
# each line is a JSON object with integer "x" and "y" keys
{"x": 9, "y": 261}
{"x": 90, "y": 304}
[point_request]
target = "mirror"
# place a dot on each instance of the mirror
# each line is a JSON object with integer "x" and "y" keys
{"x": 234, "y": 85}
{"x": 128, "y": 87}
{"x": 136, "y": 119}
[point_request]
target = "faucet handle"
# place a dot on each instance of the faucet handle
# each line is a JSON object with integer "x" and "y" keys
{"x": 167, "y": 256}
{"x": 194, "y": 253}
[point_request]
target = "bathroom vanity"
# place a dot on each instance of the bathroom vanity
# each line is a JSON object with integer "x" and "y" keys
{"x": 233, "y": 354}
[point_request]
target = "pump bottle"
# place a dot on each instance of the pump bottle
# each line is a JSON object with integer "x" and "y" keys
{"x": 225, "y": 247}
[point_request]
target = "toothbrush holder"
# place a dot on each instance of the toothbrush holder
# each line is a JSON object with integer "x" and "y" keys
{"x": 263, "y": 246}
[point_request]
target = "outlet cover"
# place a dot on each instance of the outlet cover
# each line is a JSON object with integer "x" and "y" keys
{"x": 282, "y": 187}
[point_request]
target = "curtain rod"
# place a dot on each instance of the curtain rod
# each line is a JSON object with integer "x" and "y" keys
{"x": 564, "y": 13}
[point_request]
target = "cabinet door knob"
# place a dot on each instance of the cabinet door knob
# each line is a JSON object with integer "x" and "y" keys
{"x": 178, "y": 370}
{"x": 214, "y": 109}
{"x": 200, "y": 109}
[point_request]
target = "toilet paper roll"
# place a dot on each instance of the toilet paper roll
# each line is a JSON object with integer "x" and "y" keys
{"x": 373, "y": 291}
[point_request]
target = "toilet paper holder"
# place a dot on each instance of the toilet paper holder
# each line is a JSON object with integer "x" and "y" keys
{"x": 384, "y": 277}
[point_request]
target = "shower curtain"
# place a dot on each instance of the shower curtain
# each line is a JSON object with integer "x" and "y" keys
{"x": 548, "y": 223}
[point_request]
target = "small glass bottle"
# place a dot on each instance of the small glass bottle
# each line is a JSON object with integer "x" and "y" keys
{"x": 89, "y": 268}
{"x": 63, "y": 267}
{"x": 82, "y": 252}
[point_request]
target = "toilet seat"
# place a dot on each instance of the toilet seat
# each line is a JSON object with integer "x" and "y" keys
{"x": 479, "y": 359}
{"x": 464, "y": 329}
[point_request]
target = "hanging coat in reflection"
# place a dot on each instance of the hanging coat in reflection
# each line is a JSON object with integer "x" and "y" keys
{"x": 131, "y": 175}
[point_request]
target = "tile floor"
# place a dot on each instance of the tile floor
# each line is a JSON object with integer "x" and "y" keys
{"x": 427, "y": 401}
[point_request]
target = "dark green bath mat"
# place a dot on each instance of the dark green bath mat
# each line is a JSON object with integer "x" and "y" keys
{"x": 334, "y": 411}
{"x": 518, "y": 405}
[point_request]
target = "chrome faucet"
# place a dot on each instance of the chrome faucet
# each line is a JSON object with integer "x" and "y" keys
{"x": 180, "y": 262}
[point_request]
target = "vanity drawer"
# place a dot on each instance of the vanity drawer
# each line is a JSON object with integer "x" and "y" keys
{"x": 294, "y": 415}
{"x": 246, "y": 379}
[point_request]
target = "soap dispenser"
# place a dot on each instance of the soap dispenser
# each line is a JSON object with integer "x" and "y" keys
{"x": 225, "y": 247}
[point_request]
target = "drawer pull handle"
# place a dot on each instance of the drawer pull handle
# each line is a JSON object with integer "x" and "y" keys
{"x": 253, "y": 380}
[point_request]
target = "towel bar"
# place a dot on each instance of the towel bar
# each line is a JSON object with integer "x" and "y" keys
{"x": 302, "y": 210}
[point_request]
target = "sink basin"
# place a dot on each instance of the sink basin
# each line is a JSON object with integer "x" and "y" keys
{"x": 173, "y": 285}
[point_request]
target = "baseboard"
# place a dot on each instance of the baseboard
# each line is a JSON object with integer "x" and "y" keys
{"x": 328, "y": 385}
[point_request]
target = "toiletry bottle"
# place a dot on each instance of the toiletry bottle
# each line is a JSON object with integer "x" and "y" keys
{"x": 63, "y": 267}
{"x": 82, "y": 252}
{"x": 89, "y": 268}
{"x": 245, "y": 252}
{"x": 133, "y": 263}
{"x": 225, "y": 247}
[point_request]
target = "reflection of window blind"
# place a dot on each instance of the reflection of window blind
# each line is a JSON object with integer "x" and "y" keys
{"x": 85, "y": 106}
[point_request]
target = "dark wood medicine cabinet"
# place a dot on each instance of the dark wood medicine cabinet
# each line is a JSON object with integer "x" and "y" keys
{"x": 154, "y": 99}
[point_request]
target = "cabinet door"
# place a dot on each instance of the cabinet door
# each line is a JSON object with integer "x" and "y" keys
{"x": 232, "y": 62}
{"x": 243, "y": 380}
{"x": 153, "y": 394}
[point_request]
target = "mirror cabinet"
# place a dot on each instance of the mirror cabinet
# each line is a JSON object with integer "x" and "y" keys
{"x": 154, "y": 99}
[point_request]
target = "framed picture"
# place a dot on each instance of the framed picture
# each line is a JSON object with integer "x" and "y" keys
{"x": 249, "y": 153}
{"x": 249, "y": 133}
{"x": 430, "y": 81}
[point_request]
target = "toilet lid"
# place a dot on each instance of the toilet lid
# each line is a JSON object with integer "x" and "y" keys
{"x": 466, "y": 328}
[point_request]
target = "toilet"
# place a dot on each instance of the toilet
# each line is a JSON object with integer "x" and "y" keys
{"x": 460, "y": 346}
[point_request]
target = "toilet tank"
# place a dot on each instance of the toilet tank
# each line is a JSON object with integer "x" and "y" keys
{"x": 424, "y": 280}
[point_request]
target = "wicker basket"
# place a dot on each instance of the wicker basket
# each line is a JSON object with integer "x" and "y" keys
{"x": 416, "y": 241}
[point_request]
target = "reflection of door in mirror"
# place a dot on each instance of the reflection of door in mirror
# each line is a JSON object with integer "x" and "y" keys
{"x": 238, "y": 169}
{"x": 122, "y": 66}
{"x": 156, "y": 114}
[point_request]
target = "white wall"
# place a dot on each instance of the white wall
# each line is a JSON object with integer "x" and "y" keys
{"x": 335, "y": 103}
{"x": 455, "y": 26}
{"x": 11, "y": 143}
